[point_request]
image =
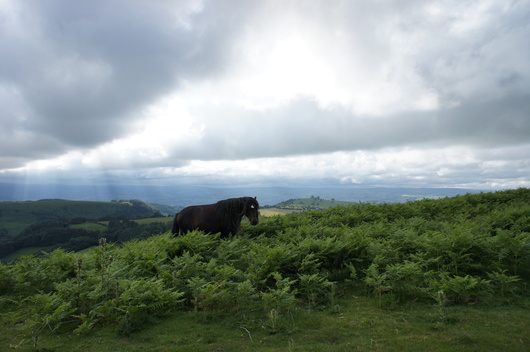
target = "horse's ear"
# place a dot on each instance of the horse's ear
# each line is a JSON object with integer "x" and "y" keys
{"x": 256, "y": 198}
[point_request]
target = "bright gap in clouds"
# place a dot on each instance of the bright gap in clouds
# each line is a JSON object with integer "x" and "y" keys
{"x": 334, "y": 63}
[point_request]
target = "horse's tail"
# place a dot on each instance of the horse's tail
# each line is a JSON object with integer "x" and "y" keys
{"x": 175, "y": 228}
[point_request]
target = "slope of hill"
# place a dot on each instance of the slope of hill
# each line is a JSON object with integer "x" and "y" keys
{"x": 166, "y": 210}
{"x": 312, "y": 203}
{"x": 15, "y": 216}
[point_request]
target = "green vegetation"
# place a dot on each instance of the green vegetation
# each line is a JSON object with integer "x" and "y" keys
{"x": 312, "y": 203}
{"x": 441, "y": 275}
{"x": 16, "y": 216}
{"x": 78, "y": 234}
{"x": 30, "y": 227}
{"x": 299, "y": 205}
{"x": 164, "y": 220}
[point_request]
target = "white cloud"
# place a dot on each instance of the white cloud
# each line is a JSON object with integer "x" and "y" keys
{"x": 455, "y": 166}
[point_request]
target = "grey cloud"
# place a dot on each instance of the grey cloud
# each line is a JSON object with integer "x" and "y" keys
{"x": 305, "y": 128}
{"x": 84, "y": 70}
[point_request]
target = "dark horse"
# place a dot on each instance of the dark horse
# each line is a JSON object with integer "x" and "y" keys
{"x": 223, "y": 216}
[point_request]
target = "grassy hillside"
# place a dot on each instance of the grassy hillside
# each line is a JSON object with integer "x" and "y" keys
{"x": 35, "y": 226}
{"x": 312, "y": 203}
{"x": 268, "y": 212}
{"x": 16, "y": 216}
{"x": 167, "y": 210}
{"x": 28, "y": 244}
{"x": 299, "y": 205}
{"x": 438, "y": 275}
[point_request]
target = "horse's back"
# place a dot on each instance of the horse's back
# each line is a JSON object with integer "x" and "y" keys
{"x": 195, "y": 217}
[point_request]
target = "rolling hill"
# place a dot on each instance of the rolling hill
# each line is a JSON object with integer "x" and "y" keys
{"x": 16, "y": 216}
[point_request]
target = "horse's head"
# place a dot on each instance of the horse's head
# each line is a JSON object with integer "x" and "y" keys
{"x": 252, "y": 210}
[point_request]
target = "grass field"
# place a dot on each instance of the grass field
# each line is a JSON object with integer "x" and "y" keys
{"x": 151, "y": 220}
{"x": 313, "y": 203}
{"x": 299, "y": 205}
{"x": 353, "y": 323}
{"x": 268, "y": 212}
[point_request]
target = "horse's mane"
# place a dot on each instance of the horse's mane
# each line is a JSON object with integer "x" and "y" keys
{"x": 231, "y": 207}
{"x": 231, "y": 210}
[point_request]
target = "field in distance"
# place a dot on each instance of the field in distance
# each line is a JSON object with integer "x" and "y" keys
{"x": 300, "y": 205}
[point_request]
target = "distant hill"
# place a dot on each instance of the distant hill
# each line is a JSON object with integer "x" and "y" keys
{"x": 34, "y": 226}
{"x": 312, "y": 203}
{"x": 167, "y": 210}
{"x": 184, "y": 195}
{"x": 16, "y": 216}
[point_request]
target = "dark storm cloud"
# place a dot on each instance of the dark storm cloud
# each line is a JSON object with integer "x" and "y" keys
{"x": 77, "y": 73}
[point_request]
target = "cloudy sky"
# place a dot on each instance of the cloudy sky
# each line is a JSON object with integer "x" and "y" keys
{"x": 389, "y": 93}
